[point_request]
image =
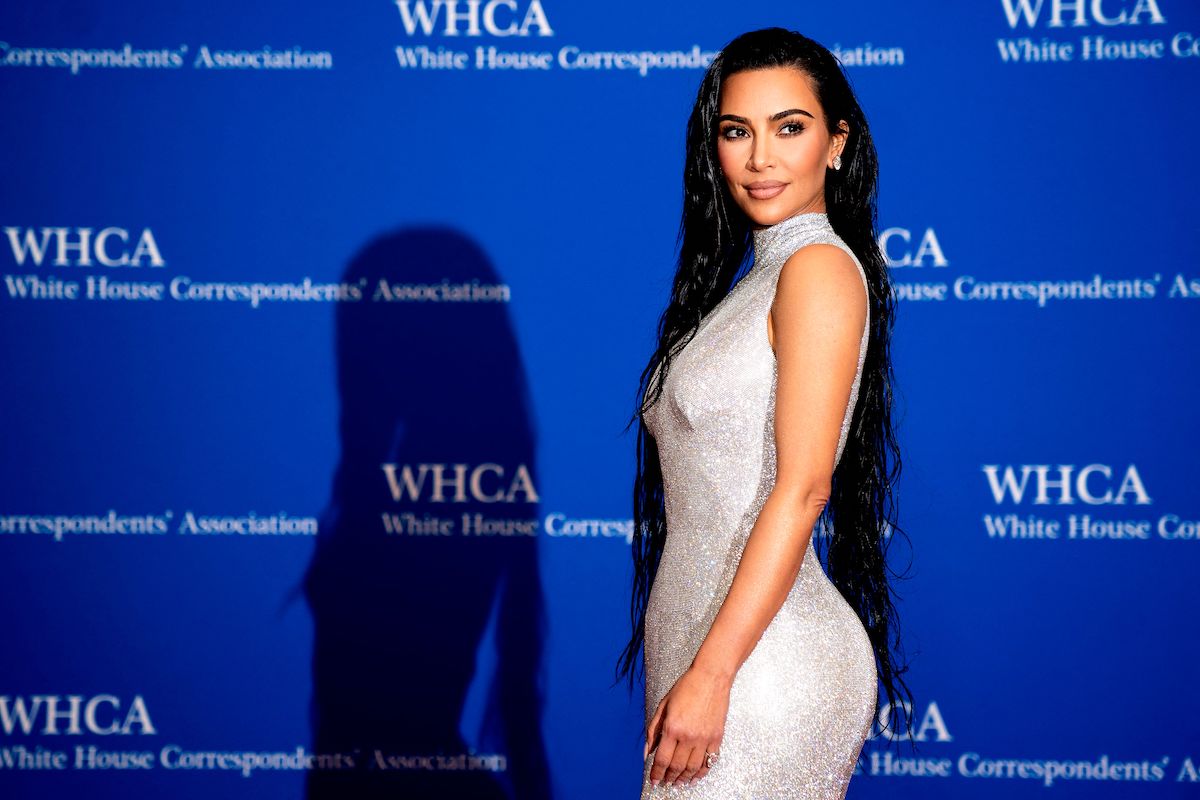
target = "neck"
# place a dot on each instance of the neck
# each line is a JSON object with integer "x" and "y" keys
{"x": 799, "y": 223}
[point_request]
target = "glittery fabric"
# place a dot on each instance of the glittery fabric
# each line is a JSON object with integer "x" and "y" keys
{"x": 802, "y": 703}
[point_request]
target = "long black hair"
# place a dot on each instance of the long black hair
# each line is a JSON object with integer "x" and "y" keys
{"x": 714, "y": 244}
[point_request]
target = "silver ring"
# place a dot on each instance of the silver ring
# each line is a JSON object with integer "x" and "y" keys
{"x": 710, "y": 759}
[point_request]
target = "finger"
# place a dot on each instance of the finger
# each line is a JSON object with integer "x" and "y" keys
{"x": 694, "y": 763}
{"x": 713, "y": 747}
{"x": 662, "y": 757}
{"x": 679, "y": 761}
{"x": 651, "y": 733}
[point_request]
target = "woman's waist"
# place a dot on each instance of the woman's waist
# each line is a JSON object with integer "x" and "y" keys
{"x": 696, "y": 572}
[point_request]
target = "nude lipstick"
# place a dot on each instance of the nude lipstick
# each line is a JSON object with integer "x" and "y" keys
{"x": 765, "y": 190}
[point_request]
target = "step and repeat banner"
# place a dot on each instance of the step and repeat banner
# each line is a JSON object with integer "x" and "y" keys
{"x": 320, "y": 325}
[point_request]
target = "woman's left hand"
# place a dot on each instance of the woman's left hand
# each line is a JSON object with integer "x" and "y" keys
{"x": 688, "y": 723}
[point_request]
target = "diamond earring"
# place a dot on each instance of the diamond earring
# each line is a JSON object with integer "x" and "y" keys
{"x": 837, "y": 161}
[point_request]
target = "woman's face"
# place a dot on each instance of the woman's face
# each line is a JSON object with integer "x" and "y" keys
{"x": 773, "y": 144}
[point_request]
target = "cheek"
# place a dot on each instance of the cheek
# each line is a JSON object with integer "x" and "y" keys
{"x": 731, "y": 164}
{"x": 726, "y": 159}
{"x": 807, "y": 155}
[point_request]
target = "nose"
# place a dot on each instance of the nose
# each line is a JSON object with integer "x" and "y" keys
{"x": 760, "y": 153}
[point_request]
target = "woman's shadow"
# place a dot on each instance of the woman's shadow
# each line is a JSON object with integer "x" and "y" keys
{"x": 437, "y": 442}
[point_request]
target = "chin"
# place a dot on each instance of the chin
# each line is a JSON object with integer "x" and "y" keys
{"x": 765, "y": 214}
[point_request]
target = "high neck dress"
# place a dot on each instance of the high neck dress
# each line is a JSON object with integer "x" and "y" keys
{"x": 802, "y": 703}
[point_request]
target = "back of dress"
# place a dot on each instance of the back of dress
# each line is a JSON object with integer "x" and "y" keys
{"x": 802, "y": 703}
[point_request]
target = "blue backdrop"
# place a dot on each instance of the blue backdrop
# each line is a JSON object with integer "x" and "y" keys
{"x": 320, "y": 325}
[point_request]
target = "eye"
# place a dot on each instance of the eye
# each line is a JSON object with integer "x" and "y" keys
{"x": 725, "y": 132}
{"x": 797, "y": 125}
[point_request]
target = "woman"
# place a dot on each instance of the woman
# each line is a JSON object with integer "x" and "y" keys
{"x": 765, "y": 411}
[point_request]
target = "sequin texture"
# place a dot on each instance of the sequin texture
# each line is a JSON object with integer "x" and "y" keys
{"x": 802, "y": 703}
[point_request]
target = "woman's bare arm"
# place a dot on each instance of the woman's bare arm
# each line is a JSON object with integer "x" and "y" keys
{"x": 816, "y": 325}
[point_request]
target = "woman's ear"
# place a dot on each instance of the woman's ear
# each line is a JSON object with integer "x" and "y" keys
{"x": 837, "y": 142}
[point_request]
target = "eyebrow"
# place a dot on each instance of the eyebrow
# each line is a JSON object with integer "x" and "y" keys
{"x": 780, "y": 115}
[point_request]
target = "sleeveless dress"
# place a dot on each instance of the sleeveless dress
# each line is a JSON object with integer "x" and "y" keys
{"x": 802, "y": 703}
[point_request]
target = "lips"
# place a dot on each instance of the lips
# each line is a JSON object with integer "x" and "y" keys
{"x": 765, "y": 190}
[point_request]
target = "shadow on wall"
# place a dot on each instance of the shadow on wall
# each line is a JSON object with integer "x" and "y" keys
{"x": 399, "y": 616}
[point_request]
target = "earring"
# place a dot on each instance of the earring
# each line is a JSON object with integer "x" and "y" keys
{"x": 837, "y": 161}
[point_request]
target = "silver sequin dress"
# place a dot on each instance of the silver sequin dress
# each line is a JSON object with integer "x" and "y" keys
{"x": 802, "y": 703}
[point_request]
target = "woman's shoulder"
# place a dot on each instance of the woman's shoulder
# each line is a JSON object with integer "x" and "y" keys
{"x": 825, "y": 252}
{"x": 824, "y": 270}
{"x": 821, "y": 246}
